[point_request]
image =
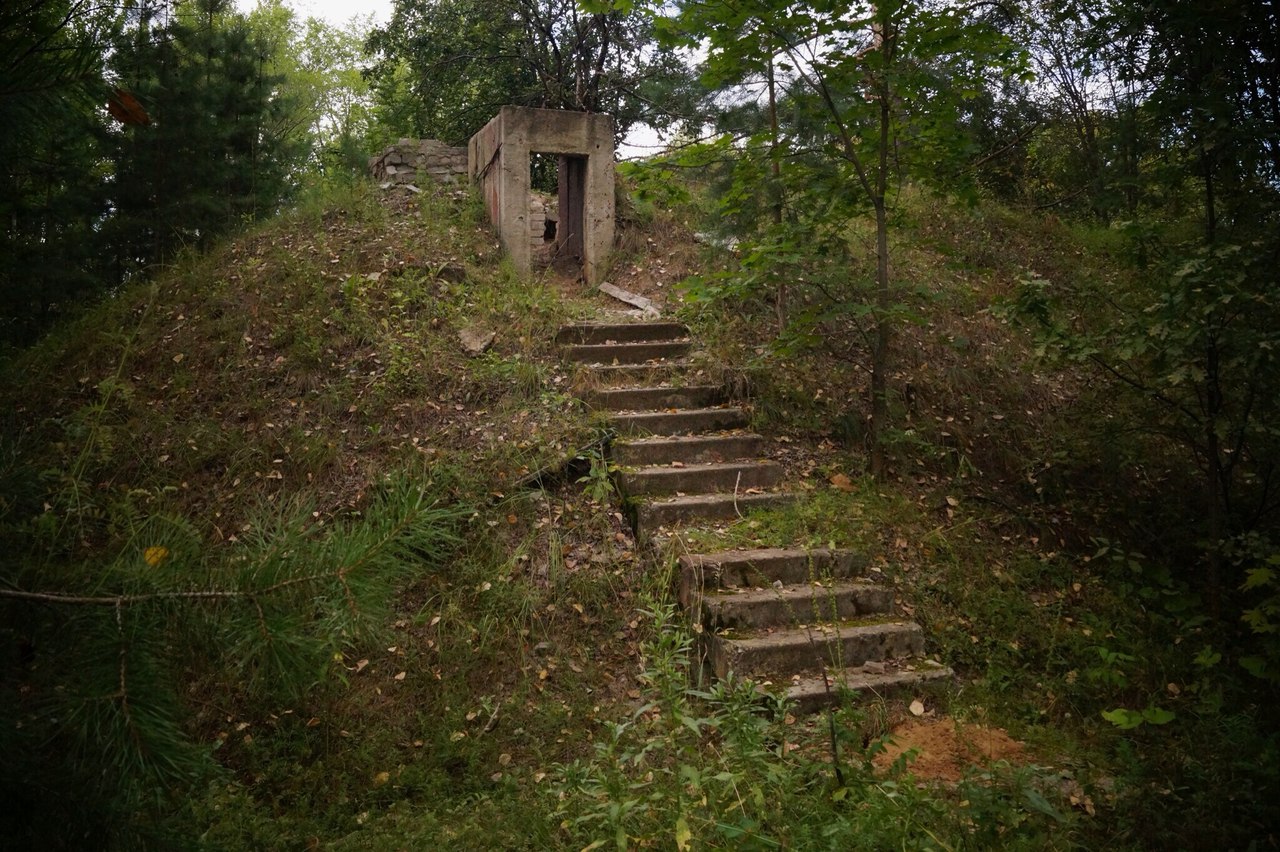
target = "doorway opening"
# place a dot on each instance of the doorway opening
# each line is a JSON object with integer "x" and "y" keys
{"x": 557, "y": 211}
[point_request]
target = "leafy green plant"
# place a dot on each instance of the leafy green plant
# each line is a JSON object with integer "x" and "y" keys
{"x": 598, "y": 481}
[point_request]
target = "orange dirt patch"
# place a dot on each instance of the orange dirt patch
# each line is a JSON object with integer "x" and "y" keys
{"x": 946, "y": 748}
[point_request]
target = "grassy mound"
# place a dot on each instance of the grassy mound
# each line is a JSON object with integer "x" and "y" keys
{"x": 291, "y": 596}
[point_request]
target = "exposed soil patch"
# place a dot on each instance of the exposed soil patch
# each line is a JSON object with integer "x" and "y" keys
{"x": 947, "y": 748}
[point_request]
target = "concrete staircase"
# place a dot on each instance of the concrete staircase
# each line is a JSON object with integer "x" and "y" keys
{"x": 804, "y": 621}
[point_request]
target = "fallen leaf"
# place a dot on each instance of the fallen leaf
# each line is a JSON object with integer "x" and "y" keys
{"x": 381, "y": 778}
{"x": 683, "y": 834}
{"x": 917, "y": 708}
{"x": 401, "y": 676}
{"x": 842, "y": 482}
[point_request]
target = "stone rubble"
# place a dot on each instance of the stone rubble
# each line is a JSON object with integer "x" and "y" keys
{"x": 403, "y": 162}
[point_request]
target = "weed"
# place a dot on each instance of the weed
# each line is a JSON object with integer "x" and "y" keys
{"x": 598, "y": 482}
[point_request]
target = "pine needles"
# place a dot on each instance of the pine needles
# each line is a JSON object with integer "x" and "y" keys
{"x": 94, "y": 701}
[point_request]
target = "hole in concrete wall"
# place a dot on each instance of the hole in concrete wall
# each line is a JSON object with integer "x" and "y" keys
{"x": 543, "y": 172}
{"x": 543, "y": 215}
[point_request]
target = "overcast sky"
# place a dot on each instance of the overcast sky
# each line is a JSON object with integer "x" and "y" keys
{"x": 333, "y": 11}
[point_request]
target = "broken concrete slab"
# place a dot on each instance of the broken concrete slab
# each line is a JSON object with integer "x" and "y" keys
{"x": 645, "y": 305}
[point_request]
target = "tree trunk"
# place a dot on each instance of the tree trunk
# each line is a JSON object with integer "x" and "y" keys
{"x": 1217, "y": 525}
{"x": 884, "y": 302}
{"x": 775, "y": 169}
{"x": 880, "y": 353}
{"x": 1216, "y": 484}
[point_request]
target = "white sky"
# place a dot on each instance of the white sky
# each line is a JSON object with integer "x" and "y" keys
{"x": 333, "y": 11}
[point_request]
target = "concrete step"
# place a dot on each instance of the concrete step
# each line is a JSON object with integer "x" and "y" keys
{"x": 791, "y": 606}
{"x": 811, "y": 693}
{"x": 692, "y": 449}
{"x": 780, "y": 654}
{"x": 629, "y": 332}
{"x": 661, "y": 396}
{"x": 679, "y": 422}
{"x": 751, "y": 569}
{"x": 629, "y": 375}
{"x": 701, "y": 478}
{"x": 652, "y": 514}
{"x": 626, "y": 353}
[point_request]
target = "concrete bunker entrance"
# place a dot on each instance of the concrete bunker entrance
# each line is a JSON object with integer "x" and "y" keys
{"x": 557, "y": 211}
{"x": 547, "y": 177}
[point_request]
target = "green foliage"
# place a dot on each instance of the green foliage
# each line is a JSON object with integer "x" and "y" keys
{"x": 716, "y": 767}
{"x": 51, "y": 195}
{"x": 445, "y": 68}
{"x": 859, "y": 98}
{"x": 216, "y": 152}
{"x": 329, "y": 107}
{"x": 95, "y": 705}
{"x": 212, "y": 118}
{"x": 598, "y": 482}
{"x": 1194, "y": 357}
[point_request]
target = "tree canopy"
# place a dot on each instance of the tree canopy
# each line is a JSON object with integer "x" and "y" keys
{"x": 444, "y": 69}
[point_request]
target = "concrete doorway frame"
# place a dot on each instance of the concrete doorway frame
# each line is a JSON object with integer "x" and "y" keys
{"x": 498, "y": 159}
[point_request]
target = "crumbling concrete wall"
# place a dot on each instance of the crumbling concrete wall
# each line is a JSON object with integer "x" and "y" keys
{"x": 417, "y": 160}
{"x": 498, "y": 159}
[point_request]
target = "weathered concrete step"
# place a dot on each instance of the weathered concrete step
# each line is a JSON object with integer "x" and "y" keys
{"x": 811, "y": 693}
{"x": 649, "y": 398}
{"x": 628, "y": 375}
{"x": 748, "y": 569}
{"x": 703, "y": 507}
{"x": 783, "y": 653}
{"x": 630, "y": 332}
{"x": 701, "y": 478}
{"x": 790, "y": 606}
{"x": 679, "y": 422}
{"x": 688, "y": 449}
{"x": 626, "y": 353}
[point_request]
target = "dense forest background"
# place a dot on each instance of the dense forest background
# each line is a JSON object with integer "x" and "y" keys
{"x": 828, "y": 144}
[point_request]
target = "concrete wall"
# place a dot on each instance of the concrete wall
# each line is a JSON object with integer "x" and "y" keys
{"x": 418, "y": 160}
{"x": 498, "y": 158}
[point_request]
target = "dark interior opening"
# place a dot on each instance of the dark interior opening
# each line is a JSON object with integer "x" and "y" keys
{"x": 572, "y": 197}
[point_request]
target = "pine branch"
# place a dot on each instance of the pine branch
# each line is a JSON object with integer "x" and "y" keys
{"x": 147, "y": 597}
